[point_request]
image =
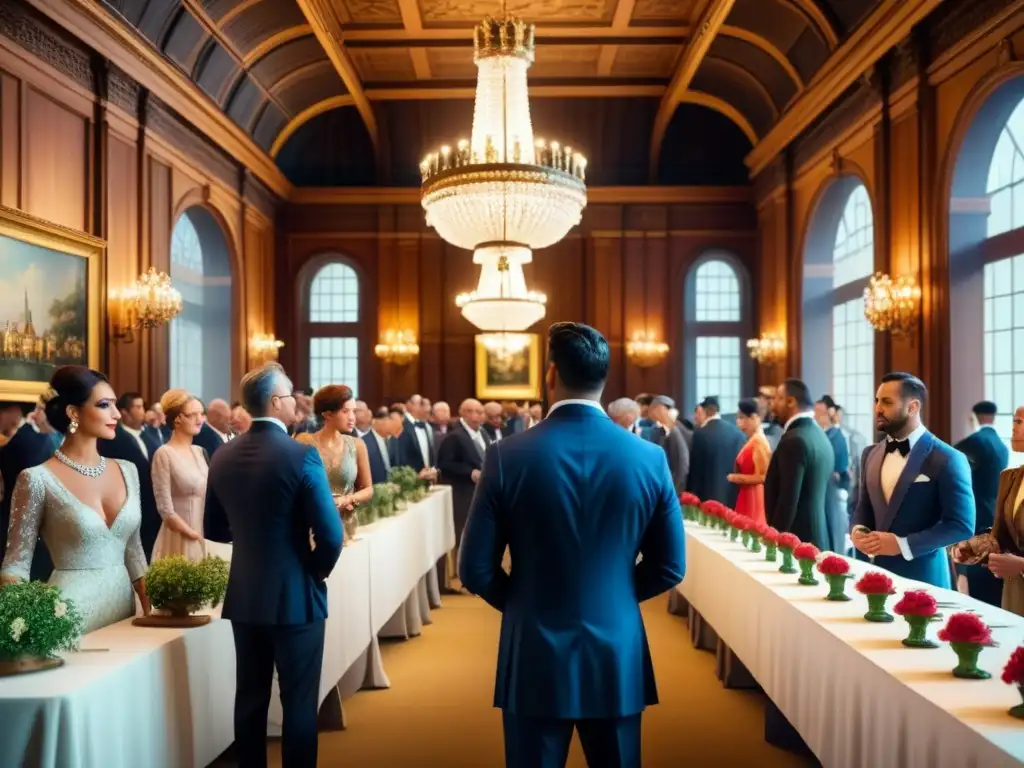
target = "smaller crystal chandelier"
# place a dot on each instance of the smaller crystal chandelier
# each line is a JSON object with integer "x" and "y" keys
{"x": 501, "y": 301}
{"x": 892, "y": 305}
{"x": 644, "y": 350}
{"x": 149, "y": 302}
{"x": 397, "y": 347}
{"x": 264, "y": 347}
{"x": 767, "y": 350}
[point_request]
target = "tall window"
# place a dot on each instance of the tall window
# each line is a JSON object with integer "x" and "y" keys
{"x": 716, "y": 327}
{"x": 333, "y": 316}
{"x": 853, "y": 340}
{"x": 187, "y": 328}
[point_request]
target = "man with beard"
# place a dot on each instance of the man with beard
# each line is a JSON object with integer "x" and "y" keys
{"x": 915, "y": 490}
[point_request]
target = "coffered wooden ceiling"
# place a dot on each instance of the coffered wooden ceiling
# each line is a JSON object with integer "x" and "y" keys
{"x": 273, "y": 65}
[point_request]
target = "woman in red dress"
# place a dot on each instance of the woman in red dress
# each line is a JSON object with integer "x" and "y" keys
{"x": 751, "y": 463}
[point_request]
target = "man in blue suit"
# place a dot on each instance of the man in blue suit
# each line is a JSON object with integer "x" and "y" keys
{"x": 576, "y": 499}
{"x": 915, "y": 496}
{"x": 273, "y": 492}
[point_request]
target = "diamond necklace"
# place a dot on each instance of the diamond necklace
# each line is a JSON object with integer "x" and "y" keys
{"x": 87, "y": 471}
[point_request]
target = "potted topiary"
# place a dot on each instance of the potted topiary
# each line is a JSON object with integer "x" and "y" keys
{"x": 178, "y": 587}
{"x": 35, "y": 623}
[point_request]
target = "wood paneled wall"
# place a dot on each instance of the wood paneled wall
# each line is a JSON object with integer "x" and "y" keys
{"x": 900, "y": 131}
{"x": 83, "y": 146}
{"x": 622, "y": 270}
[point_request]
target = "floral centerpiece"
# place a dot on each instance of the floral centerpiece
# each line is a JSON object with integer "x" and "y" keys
{"x": 731, "y": 523}
{"x": 691, "y": 505}
{"x": 807, "y": 555}
{"x": 35, "y": 623}
{"x": 410, "y": 487}
{"x": 771, "y": 543}
{"x": 178, "y": 587}
{"x": 918, "y": 609}
{"x": 746, "y": 526}
{"x": 707, "y": 512}
{"x": 967, "y": 634}
{"x": 382, "y": 504}
{"x": 877, "y": 587}
{"x": 757, "y": 534}
{"x": 788, "y": 542}
{"x": 836, "y": 571}
{"x": 1013, "y": 674}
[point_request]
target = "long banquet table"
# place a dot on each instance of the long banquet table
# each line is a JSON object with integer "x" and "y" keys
{"x": 158, "y": 697}
{"x": 852, "y": 691}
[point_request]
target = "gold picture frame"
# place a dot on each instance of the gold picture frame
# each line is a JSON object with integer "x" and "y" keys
{"x": 69, "y": 320}
{"x": 517, "y": 378}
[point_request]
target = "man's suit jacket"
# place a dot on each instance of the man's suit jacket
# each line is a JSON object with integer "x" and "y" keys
{"x": 125, "y": 447}
{"x": 514, "y": 425}
{"x": 773, "y": 432}
{"x": 26, "y": 448}
{"x": 208, "y": 439}
{"x": 932, "y": 506}
{"x": 715, "y": 448}
{"x": 576, "y": 499}
{"x": 492, "y": 433}
{"x": 409, "y": 453}
{"x": 987, "y": 456}
{"x": 378, "y": 467}
{"x": 457, "y": 457}
{"x": 796, "y": 487}
{"x": 273, "y": 491}
{"x": 674, "y": 444}
{"x": 842, "y": 457}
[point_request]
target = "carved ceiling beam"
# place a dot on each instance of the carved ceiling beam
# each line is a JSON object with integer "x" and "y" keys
{"x": 91, "y": 23}
{"x": 261, "y": 49}
{"x": 817, "y": 18}
{"x": 323, "y": 17}
{"x": 888, "y": 23}
{"x": 706, "y": 29}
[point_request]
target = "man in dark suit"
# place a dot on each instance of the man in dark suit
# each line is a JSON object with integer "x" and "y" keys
{"x": 377, "y": 446}
{"x": 987, "y": 456}
{"x": 575, "y": 499}
{"x": 645, "y": 423}
{"x": 440, "y": 421}
{"x": 771, "y": 428}
{"x": 461, "y": 458}
{"x": 716, "y": 445}
{"x": 668, "y": 434}
{"x": 836, "y": 508}
{"x": 273, "y": 492}
{"x": 796, "y": 487}
{"x": 416, "y": 447}
{"x": 132, "y": 443}
{"x": 915, "y": 494}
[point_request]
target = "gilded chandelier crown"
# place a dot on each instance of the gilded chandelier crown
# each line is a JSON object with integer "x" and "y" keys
{"x": 509, "y": 36}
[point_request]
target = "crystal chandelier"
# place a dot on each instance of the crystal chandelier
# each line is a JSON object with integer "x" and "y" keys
{"x": 149, "y": 302}
{"x": 892, "y": 305}
{"x": 501, "y": 301}
{"x": 645, "y": 350}
{"x": 502, "y": 186}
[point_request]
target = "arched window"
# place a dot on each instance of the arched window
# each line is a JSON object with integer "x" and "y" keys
{"x": 838, "y": 342}
{"x": 333, "y": 332}
{"x": 200, "y": 337}
{"x": 716, "y": 324}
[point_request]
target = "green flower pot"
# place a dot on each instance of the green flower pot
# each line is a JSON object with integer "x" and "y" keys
{"x": 734, "y": 533}
{"x": 703, "y": 519}
{"x": 967, "y": 664}
{"x": 807, "y": 573}
{"x": 745, "y": 538}
{"x": 769, "y": 552}
{"x": 755, "y": 543}
{"x": 721, "y": 524}
{"x": 918, "y": 637}
{"x": 876, "y": 609}
{"x": 787, "y": 562}
{"x": 1018, "y": 711}
{"x": 837, "y": 587}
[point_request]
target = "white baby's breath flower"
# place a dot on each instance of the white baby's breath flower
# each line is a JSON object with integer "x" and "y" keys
{"x": 18, "y": 628}
{"x": 60, "y": 610}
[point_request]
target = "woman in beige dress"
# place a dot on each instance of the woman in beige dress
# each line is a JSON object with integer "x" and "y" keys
{"x": 1004, "y": 544}
{"x": 179, "y": 472}
{"x": 344, "y": 456}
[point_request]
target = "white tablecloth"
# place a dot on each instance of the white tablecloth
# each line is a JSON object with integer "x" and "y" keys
{"x": 853, "y": 692}
{"x": 165, "y": 697}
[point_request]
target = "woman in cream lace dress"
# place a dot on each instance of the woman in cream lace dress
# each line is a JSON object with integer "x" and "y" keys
{"x": 86, "y": 509}
{"x": 179, "y": 471}
{"x": 344, "y": 457}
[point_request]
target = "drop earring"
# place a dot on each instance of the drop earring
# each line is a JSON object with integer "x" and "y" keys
{"x": 73, "y": 427}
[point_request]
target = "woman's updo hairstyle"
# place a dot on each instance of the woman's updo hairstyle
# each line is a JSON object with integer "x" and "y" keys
{"x": 330, "y": 399}
{"x": 70, "y": 386}
{"x": 173, "y": 403}
{"x": 748, "y": 407}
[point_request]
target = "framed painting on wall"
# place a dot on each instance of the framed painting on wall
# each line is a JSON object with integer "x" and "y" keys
{"x": 50, "y": 306}
{"x": 508, "y": 366}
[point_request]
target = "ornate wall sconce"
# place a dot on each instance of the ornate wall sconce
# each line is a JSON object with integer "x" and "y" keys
{"x": 149, "y": 302}
{"x": 397, "y": 347}
{"x": 769, "y": 349}
{"x": 263, "y": 347}
{"x": 892, "y": 305}
{"x": 644, "y": 350}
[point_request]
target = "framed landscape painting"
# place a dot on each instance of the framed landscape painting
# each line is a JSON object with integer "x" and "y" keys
{"x": 49, "y": 302}
{"x": 508, "y": 375}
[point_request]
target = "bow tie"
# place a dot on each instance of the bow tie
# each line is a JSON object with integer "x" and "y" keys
{"x": 420, "y": 424}
{"x": 901, "y": 446}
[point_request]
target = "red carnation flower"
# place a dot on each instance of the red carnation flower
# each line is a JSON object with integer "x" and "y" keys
{"x": 688, "y": 499}
{"x": 744, "y": 523}
{"x": 761, "y": 528}
{"x": 771, "y": 535}
{"x": 806, "y": 551}
{"x": 834, "y": 565}
{"x": 875, "y": 583}
{"x": 708, "y": 507}
{"x": 789, "y": 541}
{"x": 916, "y": 603}
{"x": 1013, "y": 672}
{"x": 966, "y": 628}
{"x": 729, "y": 516}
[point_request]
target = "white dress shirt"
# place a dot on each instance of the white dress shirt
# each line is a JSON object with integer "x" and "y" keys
{"x": 475, "y": 436}
{"x": 223, "y": 438}
{"x": 575, "y": 401}
{"x": 382, "y": 444}
{"x": 892, "y": 467}
{"x": 422, "y": 439}
{"x": 137, "y": 434}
